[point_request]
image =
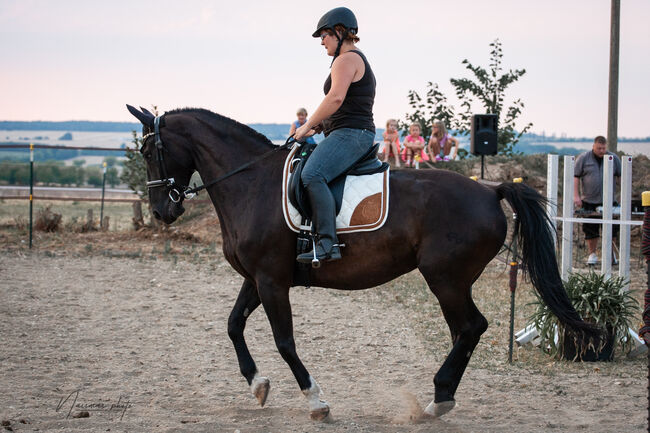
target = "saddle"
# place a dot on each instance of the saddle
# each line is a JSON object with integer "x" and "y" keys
{"x": 361, "y": 191}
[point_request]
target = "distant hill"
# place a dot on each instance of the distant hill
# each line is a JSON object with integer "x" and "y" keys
{"x": 72, "y": 125}
{"x": 274, "y": 131}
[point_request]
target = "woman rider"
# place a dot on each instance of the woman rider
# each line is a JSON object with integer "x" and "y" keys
{"x": 345, "y": 116}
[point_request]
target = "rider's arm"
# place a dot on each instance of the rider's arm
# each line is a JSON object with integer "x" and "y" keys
{"x": 343, "y": 71}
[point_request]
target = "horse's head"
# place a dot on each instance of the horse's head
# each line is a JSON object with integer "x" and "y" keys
{"x": 169, "y": 163}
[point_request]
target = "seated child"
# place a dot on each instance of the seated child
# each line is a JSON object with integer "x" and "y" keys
{"x": 391, "y": 141}
{"x": 414, "y": 146}
{"x": 440, "y": 143}
{"x": 302, "y": 118}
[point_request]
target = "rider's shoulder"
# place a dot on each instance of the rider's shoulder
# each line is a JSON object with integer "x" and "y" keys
{"x": 348, "y": 58}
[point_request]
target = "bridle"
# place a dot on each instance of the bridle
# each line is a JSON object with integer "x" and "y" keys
{"x": 177, "y": 193}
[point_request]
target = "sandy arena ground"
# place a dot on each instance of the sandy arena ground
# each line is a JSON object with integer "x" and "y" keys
{"x": 141, "y": 345}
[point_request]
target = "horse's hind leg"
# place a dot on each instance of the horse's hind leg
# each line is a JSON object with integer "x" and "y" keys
{"x": 467, "y": 325}
{"x": 278, "y": 309}
{"x": 246, "y": 303}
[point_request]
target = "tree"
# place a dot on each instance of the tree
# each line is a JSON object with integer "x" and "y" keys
{"x": 135, "y": 171}
{"x": 94, "y": 176}
{"x": 436, "y": 107}
{"x": 112, "y": 177}
{"x": 81, "y": 173}
{"x": 110, "y": 161}
{"x": 487, "y": 88}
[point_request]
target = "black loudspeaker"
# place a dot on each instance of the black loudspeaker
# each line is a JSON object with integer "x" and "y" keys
{"x": 483, "y": 135}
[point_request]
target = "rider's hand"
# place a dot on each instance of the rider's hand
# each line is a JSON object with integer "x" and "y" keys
{"x": 303, "y": 132}
{"x": 577, "y": 202}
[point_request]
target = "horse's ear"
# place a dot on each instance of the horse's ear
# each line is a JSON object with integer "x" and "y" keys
{"x": 145, "y": 111}
{"x": 145, "y": 118}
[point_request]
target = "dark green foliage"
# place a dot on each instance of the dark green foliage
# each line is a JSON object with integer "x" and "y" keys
{"x": 435, "y": 107}
{"x": 94, "y": 176}
{"x": 487, "y": 89}
{"x": 597, "y": 300}
{"x": 112, "y": 178}
{"x": 135, "y": 171}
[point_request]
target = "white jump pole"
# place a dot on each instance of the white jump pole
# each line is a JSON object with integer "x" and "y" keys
{"x": 551, "y": 192}
{"x": 626, "y": 215}
{"x": 608, "y": 196}
{"x": 567, "y": 212}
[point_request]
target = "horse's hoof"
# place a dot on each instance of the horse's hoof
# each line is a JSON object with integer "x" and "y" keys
{"x": 320, "y": 414}
{"x": 261, "y": 387}
{"x": 439, "y": 409}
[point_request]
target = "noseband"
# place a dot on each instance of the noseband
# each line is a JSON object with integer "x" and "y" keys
{"x": 178, "y": 193}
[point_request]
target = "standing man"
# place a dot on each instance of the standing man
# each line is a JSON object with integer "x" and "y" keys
{"x": 589, "y": 170}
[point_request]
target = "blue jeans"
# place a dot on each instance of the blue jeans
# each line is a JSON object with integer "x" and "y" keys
{"x": 336, "y": 153}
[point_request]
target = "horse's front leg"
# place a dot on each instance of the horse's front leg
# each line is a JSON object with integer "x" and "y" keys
{"x": 278, "y": 309}
{"x": 246, "y": 303}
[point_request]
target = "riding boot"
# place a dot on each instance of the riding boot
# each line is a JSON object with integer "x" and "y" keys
{"x": 323, "y": 211}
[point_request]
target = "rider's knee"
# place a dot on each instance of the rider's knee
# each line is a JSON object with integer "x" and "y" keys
{"x": 308, "y": 178}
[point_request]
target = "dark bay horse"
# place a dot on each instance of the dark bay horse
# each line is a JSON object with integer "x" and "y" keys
{"x": 445, "y": 225}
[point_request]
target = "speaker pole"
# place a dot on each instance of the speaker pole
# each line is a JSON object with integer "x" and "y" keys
{"x": 482, "y": 164}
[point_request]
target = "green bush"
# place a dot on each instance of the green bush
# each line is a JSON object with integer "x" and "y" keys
{"x": 597, "y": 300}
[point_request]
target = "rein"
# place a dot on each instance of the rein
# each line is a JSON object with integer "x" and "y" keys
{"x": 178, "y": 193}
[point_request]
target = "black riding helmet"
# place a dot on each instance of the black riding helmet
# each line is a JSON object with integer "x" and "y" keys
{"x": 336, "y": 16}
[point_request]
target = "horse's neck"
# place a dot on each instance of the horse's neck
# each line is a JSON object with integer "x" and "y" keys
{"x": 231, "y": 196}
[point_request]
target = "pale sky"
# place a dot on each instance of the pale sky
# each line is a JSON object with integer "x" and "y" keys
{"x": 256, "y": 62}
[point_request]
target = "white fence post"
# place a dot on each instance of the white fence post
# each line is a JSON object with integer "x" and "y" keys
{"x": 551, "y": 192}
{"x": 567, "y": 212}
{"x": 608, "y": 197}
{"x": 626, "y": 215}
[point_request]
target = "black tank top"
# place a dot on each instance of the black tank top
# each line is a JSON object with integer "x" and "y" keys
{"x": 356, "y": 109}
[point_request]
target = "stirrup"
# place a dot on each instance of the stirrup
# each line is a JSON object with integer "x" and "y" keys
{"x": 316, "y": 259}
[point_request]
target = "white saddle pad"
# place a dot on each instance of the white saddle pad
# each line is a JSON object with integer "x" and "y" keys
{"x": 364, "y": 206}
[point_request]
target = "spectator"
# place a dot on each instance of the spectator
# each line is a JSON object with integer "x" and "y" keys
{"x": 414, "y": 146}
{"x": 589, "y": 173}
{"x": 391, "y": 141}
{"x": 440, "y": 143}
{"x": 302, "y": 119}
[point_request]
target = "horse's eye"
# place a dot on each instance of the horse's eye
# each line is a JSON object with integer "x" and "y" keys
{"x": 147, "y": 155}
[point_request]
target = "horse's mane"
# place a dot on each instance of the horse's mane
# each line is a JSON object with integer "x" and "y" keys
{"x": 220, "y": 120}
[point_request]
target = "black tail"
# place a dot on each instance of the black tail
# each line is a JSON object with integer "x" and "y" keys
{"x": 535, "y": 237}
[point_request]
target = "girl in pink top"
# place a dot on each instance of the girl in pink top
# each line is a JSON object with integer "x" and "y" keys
{"x": 414, "y": 145}
{"x": 391, "y": 141}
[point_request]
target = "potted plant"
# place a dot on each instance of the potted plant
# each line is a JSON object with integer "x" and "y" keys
{"x": 601, "y": 301}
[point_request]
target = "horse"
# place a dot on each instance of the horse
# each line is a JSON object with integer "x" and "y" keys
{"x": 445, "y": 225}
